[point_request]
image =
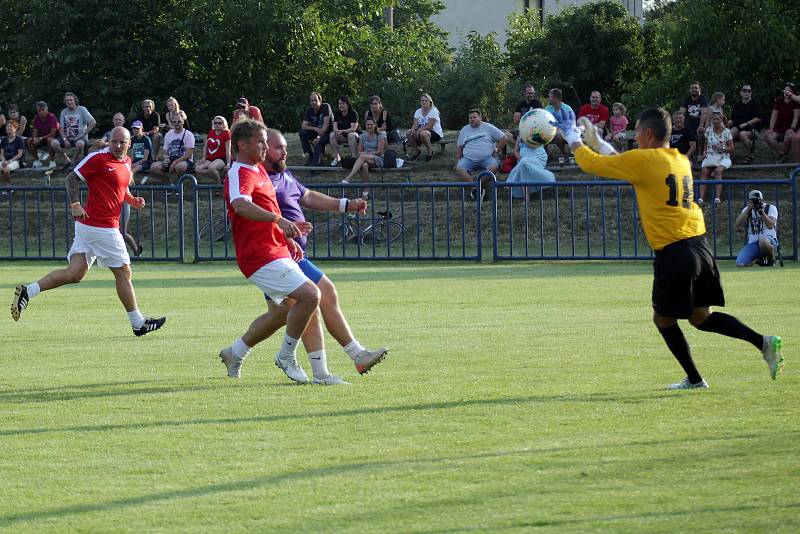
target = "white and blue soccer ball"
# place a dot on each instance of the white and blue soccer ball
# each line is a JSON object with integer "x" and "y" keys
{"x": 537, "y": 128}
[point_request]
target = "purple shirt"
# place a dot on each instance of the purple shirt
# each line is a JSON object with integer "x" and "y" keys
{"x": 44, "y": 127}
{"x": 288, "y": 192}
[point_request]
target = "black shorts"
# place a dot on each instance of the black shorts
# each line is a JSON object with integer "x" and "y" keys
{"x": 685, "y": 276}
{"x": 435, "y": 137}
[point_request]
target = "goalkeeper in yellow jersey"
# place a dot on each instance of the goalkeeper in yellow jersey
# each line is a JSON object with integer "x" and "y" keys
{"x": 686, "y": 280}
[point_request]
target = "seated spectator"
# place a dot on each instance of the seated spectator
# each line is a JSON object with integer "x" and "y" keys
{"x": 530, "y": 102}
{"x": 782, "y": 133}
{"x": 719, "y": 147}
{"x": 15, "y": 116}
{"x": 316, "y": 125}
{"x": 380, "y": 115}
{"x": 345, "y": 130}
{"x": 174, "y": 112}
{"x": 618, "y": 127}
{"x": 562, "y": 112}
{"x": 695, "y": 109}
{"x": 426, "y": 128}
{"x": 217, "y": 152}
{"x": 717, "y": 104}
{"x": 596, "y": 112}
{"x": 683, "y": 137}
{"x": 477, "y": 147}
{"x": 745, "y": 118}
{"x": 530, "y": 167}
{"x": 141, "y": 151}
{"x": 178, "y": 151}
{"x": 76, "y": 123}
{"x": 760, "y": 221}
{"x": 118, "y": 120}
{"x": 244, "y": 110}
{"x": 371, "y": 146}
{"x": 12, "y": 150}
{"x": 44, "y": 129}
{"x": 151, "y": 125}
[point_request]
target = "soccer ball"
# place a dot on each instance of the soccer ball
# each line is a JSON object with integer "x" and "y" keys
{"x": 537, "y": 127}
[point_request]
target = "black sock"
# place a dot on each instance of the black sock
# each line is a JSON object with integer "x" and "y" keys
{"x": 730, "y": 326}
{"x": 673, "y": 336}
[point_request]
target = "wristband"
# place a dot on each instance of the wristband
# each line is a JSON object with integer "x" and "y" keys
{"x": 343, "y": 204}
{"x": 77, "y": 202}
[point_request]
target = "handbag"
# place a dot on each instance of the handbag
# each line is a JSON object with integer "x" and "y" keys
{"x": 508, "y": 163}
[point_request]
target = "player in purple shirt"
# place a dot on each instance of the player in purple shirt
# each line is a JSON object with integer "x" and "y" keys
{"x": 292, "y": 197}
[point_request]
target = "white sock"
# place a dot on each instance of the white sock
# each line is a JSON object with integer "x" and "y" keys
{"x": 319, "y": 363}
{"x": 240, "y": 348}
{"x": 33, "y": 289}
{"x": 288, "y": 348}
{"x": 353, "y": 348}
{"x": 136, "y": 318}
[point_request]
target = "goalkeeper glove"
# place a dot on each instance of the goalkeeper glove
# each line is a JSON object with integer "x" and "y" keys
{"x": 593, "y": 140}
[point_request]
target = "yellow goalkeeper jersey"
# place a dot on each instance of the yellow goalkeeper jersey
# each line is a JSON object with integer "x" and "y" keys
{"x": 662, "y": 178}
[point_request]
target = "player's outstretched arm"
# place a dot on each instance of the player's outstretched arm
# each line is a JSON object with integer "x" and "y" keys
{"x": 593, "y": 140}
{"x": 321, "y": 202}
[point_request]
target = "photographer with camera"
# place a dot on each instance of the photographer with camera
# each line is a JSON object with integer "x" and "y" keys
{"x": 761, "y": 220}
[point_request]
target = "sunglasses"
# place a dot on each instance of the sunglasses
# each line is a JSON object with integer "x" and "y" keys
{"x": 746, "y": 90}
{"x": 217, "y": 122}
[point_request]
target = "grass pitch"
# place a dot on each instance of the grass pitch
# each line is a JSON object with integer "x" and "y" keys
{"x": 516, "y": 397}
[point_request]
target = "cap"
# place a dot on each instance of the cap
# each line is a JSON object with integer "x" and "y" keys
{"x": 137, "y": 124}
{"x": 242, "y": 103}
{"x": 755, "y": 194}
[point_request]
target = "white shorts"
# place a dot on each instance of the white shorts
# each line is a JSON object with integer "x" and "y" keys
{"x": 102, "y": 244}
{"x": 279, "y": 278}
{"x": 13, "y": 165}
{"x": 717, "y": 160}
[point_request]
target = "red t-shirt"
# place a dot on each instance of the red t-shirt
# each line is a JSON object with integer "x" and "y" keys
{"x": 785, "y": 114}
{"x": 107, "y": 178}
{"x": 215, "y": 146}
{"x": 595, "y": 115}
{"x": 45, "y": 127}
{"x": 252, "y": 113}
{"x": 257, "y": 243}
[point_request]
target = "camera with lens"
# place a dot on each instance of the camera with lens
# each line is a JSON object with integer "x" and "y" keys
{"x": 757, "y": 204}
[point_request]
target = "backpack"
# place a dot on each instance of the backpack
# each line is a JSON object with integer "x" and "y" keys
{"x": 389, "y": 159}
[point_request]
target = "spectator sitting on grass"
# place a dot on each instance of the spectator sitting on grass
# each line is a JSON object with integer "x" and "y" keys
{"x": 217, "y": 153}
{"x": 12, "y": 150}
{"x": 682, "y": 137}
{"x": 316, "y": 125}
{"x": 745, "y": 118}
{"x": 141, "y": 150}
{"x": 618, "y": 127}
{"x": 372, "y": 144}
{"x": 426, "y": 128}
{"x": 244, "y": 110}
{"x": 151, "y": 125}
{"x": 44, "y": 128}
{"x": 782, "y": 133}
{"x": 477, "y": 147}
{"x": 178, "y": 151}
{"x": 562, "y": 112}
{"x": 76, "y": 123}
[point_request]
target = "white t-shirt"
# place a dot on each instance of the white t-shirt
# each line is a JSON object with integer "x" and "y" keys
{"x": 713, "y": 138}
{"x": 479, "y": 143}
{"x": 176, "y": 143}
{"x": 433, "y": 113}
{"x": 756, "y": 227}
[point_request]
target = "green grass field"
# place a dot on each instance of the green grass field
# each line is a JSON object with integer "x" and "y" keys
{"x": 516, "y": 397}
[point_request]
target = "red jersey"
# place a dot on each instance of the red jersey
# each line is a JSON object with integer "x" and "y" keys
{"x": 215, "y": 146}
{"x": 107, "y": 178}
{"x": 257, "y": 243}
{"x": 785, "y": 114}
{"x": 594, "y": 115}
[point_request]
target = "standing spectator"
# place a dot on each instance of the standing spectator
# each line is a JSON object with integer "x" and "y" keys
{"x": 44, "y": 129}
{"x": 12, "y": 149}
{"x": 244, "y": 110}
{"x": 782, "y": 133}
{"x": 562, "y": 112}
{"x": 76, "y": 123}
{"x": 345, "y": 130}
{"x": 376, "y": 112}
{"x": 618, "y": 132}
{"x": 217, "y": 153}
{"x": 745, "y": 118}
{"x": 151, "y": 125}
{"x": 719, "y": 147}
{"x": 530, "y": 102}
{"x": 760, "y": 220}
{"x": 596, "y": 112}
{"x": 477, "y": 147}
{"x": 530, "y": 167}
{"x": 174, "y": 112}
{"x": 316, "y": 125}
{"x": 426, "y": 128}
{"x": 141, "y": 152}
{"x": 15, "y": 116}
{"x": 682, "y": 137}
{"x": 372, "y": 144}
{"x": 178, "y": 150}
{"x": 118, "y": 120}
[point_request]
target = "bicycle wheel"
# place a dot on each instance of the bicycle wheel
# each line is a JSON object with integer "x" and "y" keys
{"x": 382, "y": 232}
{"x": 217, "y": 229}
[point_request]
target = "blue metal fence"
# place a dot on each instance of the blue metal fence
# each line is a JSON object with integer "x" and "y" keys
{"x": 590, "y": 219}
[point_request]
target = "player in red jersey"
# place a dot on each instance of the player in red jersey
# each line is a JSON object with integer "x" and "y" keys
{"x": 107, "y": 174}
{"x": 265, "y": 252}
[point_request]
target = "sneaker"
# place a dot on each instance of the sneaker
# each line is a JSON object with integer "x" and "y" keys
{"x": 20, "y": 301}
{"x": 429, "y": 157}
{"x": 772, "y": 355}
{"x": 701, "y": 202}
{"x": 344, "y": 182}
{"x": 399, "y": 162}
{"x": 717, "y": 202}
{"x": 685, "y": 384}
{"x": 149, "y": 325}
{"x": 144, "y": 181}
{"x": 330, "y": 380}
{"x": 52, "y": 165}
{"x": 232, "y": 362}
{"x": 292, "y": 369}
{"x": 367, "y": 359}
{"x": 335, "y": 163}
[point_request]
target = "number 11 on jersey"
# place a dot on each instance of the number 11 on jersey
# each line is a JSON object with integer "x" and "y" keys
{"x": 686, "y": 197}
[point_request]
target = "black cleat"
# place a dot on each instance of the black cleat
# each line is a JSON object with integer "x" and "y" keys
{"x": 149, "y": 325}
{"x": 20, "y": 301}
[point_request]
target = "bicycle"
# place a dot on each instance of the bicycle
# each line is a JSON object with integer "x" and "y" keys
{"x": 381, "y": 231}
{"x": 217, "y": 229}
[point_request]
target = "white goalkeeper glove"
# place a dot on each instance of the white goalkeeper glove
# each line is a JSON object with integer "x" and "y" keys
{"x": 593, "y": 140}
{"x": 570, "y": 132}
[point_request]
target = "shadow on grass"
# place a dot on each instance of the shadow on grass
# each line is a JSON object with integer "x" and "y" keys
{"x": 355, "y": 468}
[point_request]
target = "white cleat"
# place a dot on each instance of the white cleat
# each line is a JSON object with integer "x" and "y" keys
{"x": 330, "y": 380}
{"x": 232, "y": 362}
{"x": 367, "y": 359}
{"x": 292, "y": 369}
{"x": 772, "y": 355}
{"x": 685, "y": 384}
